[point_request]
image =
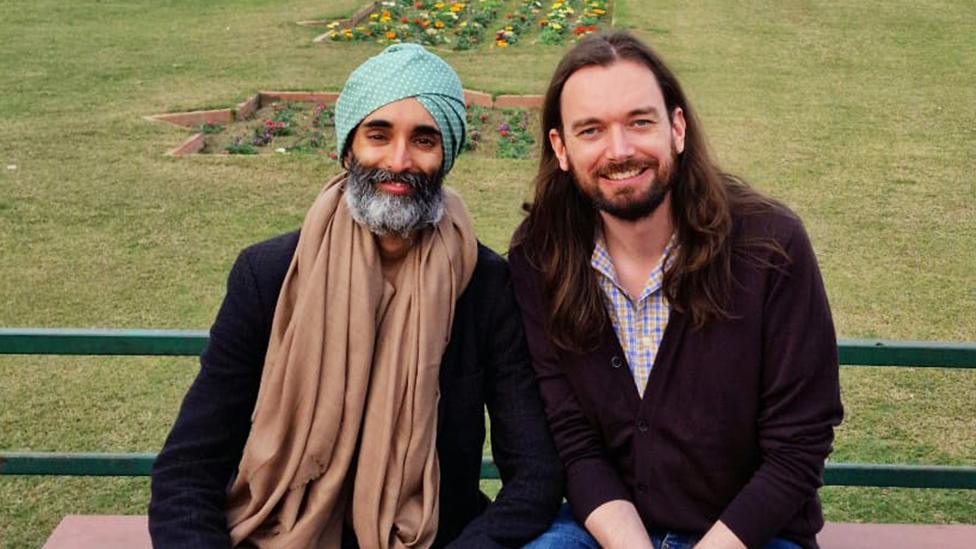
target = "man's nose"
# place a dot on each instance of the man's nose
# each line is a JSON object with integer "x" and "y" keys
{"x": 400, "y": 157}
{"x": 619, "y": 145}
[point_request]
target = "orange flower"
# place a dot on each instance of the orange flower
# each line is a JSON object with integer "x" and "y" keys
{"x": 439, "y": 24}
{"x": 391, "y": 35}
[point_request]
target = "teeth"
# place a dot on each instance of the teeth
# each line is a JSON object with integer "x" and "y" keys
{"x": 622, "y": 175}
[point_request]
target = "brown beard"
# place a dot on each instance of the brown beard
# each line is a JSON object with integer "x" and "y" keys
{"x": 635, "y": 207}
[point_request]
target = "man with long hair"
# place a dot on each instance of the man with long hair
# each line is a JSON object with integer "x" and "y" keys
{"x": 340, "y": 400}
{"x": 676, "y": 318}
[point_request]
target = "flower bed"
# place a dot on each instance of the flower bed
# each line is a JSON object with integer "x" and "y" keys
{"x": 306, "y": 127}
{"x": 282, "y": 127}
{"x": 466, "y": 25}
{"x": 575, "y": 18}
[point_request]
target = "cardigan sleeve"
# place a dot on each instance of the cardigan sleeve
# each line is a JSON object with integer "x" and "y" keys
{"x": 591, "y": 478}
{"x": 800, "y": 397}
{"x": 532, "y": 477}
{"x": 191, "y": 474}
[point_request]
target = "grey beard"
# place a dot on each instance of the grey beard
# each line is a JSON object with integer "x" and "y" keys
{"x": 383, "y": 213}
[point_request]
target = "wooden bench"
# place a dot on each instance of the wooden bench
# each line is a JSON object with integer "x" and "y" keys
{"x": 131, "y": 532}
{"x": 77, "y": 530}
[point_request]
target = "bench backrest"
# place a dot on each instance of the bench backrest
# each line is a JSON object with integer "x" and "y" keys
{"x": 43, "y": 341}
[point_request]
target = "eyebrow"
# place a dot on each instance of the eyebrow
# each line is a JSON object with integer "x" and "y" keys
{"x": 423, "y": 129}
{"x": 377, "y": 123}
{"x": 428, "y": 130}
{"x": 593, "y": 120}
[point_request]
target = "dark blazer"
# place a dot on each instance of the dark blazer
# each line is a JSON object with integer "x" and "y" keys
{"x": 737, "y": 417}
{"x": 485, "y": 363}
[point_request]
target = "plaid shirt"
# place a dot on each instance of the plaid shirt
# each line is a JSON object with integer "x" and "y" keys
{"x": 640, "y": 322}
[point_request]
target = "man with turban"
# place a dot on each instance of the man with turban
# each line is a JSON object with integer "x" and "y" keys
{"x": 340, "y": 400}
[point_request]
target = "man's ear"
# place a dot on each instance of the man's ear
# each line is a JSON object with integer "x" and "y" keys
{"x": 558, "y": 147}
{"x": 678, "y": 127}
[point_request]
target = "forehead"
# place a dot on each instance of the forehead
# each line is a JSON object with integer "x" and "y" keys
{"x": 405, "y": 114}
{"x": 607, "y": 92}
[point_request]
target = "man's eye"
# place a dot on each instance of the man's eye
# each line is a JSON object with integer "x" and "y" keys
{"x": 426, "y": 141}
{"x": 588, "y": 132}
{"x": 643, "y": 123}
{"x": 375, "y": 136}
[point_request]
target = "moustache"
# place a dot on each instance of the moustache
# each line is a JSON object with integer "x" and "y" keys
{"x": 416, "y": 180}
{"x": 611, "y": 168}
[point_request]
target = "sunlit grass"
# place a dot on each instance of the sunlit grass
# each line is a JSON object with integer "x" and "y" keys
{"x": 858, "y": 115}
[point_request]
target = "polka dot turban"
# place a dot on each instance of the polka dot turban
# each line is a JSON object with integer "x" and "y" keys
{"x": 398, "y": 72}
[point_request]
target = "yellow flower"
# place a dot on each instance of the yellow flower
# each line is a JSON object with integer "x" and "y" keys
{"x": 374, "y": 15}
{"x": 385, "y": 19}
{"x": 333, "y": 25}
{"x": 456, "y": 7}
{"x": 557, "y": 5}
{"x": 439, "y": 24}
{"x": 463, "y": 24}
{"x": 439, "y": 6}
{"x": 501, "y": 44}
{"x": 556, "y": 26}
{"x": 508, "y": 27}
{"x": 598, "y": 11}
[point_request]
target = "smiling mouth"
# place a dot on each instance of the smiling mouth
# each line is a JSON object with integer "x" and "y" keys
{"x": 622, "y": 175}
{"x": 395, "y": 187}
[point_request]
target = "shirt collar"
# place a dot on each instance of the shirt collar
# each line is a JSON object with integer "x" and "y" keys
{"x": 601, "y": 262}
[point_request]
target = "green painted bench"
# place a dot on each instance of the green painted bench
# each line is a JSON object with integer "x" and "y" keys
{"x": 31, "y": 341}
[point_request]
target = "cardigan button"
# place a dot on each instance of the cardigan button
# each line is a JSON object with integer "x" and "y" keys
{"x": 616, "y": 362}
{"x": 642, "y": 425}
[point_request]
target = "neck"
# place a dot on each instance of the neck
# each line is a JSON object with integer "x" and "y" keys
{"x": 644, "y": 238}
{"x": 393, "y": 248}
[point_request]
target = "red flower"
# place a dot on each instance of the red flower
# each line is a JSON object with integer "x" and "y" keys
{"x": 580, "y": 30}
{"x": 333, "y": 155}
{"x": 419, "y": 5}
{"x": 504, "y": 133}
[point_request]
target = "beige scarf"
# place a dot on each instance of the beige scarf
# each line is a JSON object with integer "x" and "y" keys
{"x": 346, "y": 415}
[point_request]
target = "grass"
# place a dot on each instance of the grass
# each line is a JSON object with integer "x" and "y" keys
{"x": 858, "y": 115}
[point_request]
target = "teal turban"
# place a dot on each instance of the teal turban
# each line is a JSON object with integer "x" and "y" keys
{"x": 398, "y": 72}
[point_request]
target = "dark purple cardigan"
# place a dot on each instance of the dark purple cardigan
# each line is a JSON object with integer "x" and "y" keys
{"x": 737, "y": 418}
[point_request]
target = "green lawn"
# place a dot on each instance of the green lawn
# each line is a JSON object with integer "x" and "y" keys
{"x": 857, "y": 114}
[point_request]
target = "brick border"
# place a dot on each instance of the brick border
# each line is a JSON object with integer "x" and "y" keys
{"x": 195, "y": 118}
{"x": 249, "y": 106}
{"x": 192, "y": 145}
{"x": 349, "y": 23}
{"x": 518, "y": 102}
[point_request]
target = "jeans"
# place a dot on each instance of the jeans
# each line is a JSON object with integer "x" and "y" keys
{"x": 566, "y": 533}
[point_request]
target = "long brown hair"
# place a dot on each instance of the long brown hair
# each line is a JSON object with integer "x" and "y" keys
{"x": 557, "y": 236}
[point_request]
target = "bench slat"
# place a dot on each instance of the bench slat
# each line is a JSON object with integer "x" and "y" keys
{"x": 68, "y": 341}
{"x": 836, "y": 474}
{"x": 132, "y": 532}
{"x": 72, "y": 341}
